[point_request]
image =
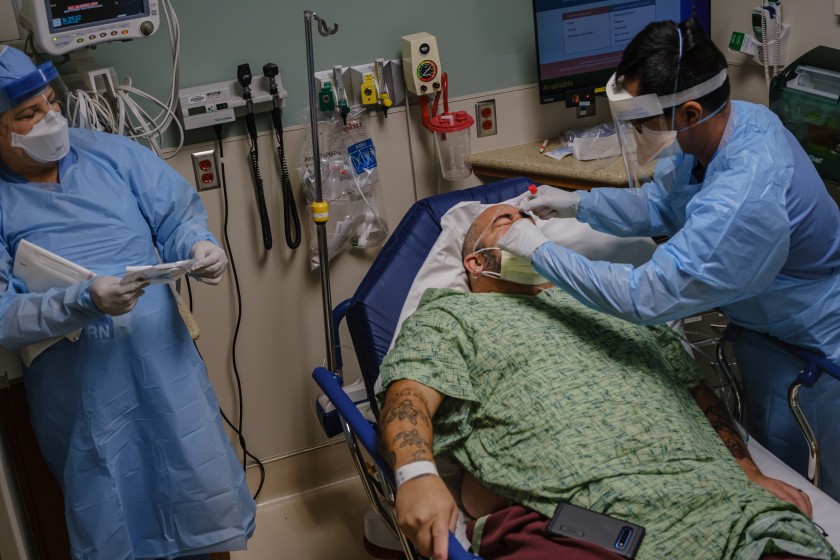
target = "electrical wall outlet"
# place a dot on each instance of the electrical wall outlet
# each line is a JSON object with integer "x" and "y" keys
{"x": 206, "y": 168}
{"x": 485, "y": 116}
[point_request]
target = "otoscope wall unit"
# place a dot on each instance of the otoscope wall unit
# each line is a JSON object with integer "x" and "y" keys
{"x": 223, "y": 102}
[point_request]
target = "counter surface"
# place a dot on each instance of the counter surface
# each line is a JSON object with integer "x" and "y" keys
{"x": 526, "y": 159}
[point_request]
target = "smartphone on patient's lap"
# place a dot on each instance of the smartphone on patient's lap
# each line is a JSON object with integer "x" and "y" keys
{"x": 613, "y": 534}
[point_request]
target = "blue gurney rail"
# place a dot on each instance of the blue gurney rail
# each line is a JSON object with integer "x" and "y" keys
{"x": 364, "y": 432}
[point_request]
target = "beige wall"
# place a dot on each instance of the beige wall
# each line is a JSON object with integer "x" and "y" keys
{"x": 14, "y": 543}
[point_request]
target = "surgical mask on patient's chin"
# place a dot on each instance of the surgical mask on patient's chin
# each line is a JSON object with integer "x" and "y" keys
{"x": 48, "y": 141}
{"x": 515, "y": 269}
{"x": 520, "y": 270}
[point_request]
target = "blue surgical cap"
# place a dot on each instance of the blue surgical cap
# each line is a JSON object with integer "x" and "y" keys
{"x": 19, "y": 78}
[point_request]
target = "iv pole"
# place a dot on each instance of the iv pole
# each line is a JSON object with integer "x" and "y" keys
{"x": 320, "y": 211}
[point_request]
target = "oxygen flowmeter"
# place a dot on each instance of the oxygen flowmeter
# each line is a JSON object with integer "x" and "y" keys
{"x": 421, "y": 63}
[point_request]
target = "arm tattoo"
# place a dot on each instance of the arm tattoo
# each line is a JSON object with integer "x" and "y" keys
{"x": 410, "y": 439}
{"x": 726, "y": 431}
{"x": 405, "y": 410}
{"x": 736, "y": 448}
{"x": 414, "y": 439}
{"x": 401, "y": 408}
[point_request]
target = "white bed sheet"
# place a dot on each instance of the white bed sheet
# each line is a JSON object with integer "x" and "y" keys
{"x": 826, "y": 510}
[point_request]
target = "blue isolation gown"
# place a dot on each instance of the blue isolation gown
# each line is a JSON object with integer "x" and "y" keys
{"x": 757, "y": 237}
{"x": 125, "y": 417}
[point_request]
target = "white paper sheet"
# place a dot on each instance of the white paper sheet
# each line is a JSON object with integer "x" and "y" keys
{"x": 157, "y": 274}
{"x": 41, "y": 270}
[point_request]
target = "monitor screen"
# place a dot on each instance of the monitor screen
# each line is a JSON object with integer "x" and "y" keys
{"x": 72, "y": 14}
{"x": 579, "y": 42}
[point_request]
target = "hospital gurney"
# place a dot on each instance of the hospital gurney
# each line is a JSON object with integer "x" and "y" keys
{"x": 813, "y": 366}
{"x": 372, "y": 316}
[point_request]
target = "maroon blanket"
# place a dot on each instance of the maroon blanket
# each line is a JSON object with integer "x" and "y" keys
{"x": 519, "y": 533}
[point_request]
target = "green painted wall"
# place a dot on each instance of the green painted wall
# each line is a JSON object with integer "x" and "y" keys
{"x": 484, "y": 44}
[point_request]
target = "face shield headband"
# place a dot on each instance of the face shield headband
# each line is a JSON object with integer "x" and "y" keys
{"x": 639, "y": 144}
{"x": 18, "y": 91}
{"x": 627, "y": 108}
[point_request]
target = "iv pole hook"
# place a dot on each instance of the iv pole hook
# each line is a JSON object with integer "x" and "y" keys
{"x": 323, "y": 29}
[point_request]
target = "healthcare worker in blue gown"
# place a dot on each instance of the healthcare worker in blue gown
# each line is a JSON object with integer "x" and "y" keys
{"x": 751, "y": 231}
{"x": 125, "y": 416}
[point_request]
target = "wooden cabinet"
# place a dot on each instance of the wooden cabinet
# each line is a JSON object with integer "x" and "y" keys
{"x": 39, "y": 490}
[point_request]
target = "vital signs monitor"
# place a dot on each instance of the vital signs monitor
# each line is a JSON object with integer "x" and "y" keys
{"x": 61, "y": 26}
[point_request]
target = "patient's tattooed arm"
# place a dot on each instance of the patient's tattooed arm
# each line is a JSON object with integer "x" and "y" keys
{"x": 426, "y": 511}
{"x": 718, "y": 416}
{"x": 405, "y": 423}
{"x": 721, "y": 421}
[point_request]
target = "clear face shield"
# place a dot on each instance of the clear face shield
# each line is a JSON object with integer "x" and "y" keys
{"x": 645, "y": 127}
{"x": 31, "y": 118}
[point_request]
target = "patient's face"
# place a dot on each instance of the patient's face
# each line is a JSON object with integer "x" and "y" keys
{"x": 484, "y": 233}
{"x": 494, "y": 222}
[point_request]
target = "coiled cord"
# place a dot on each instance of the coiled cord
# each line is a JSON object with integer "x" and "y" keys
{"x": 118, "y": 112}
{"x": 261, "y": 205}
{"x": 290, "y": 213}
{"x": 765, "y": 45}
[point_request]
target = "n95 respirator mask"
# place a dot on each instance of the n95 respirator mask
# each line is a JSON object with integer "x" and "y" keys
{"x": 654, "y": 144}
{"x": 48, "y": 141}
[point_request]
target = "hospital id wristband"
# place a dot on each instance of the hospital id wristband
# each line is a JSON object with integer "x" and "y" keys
{"x": 413, "y": 470}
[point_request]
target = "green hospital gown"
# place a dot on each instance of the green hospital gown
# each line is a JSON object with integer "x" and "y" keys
{"x": 548, "y": 400}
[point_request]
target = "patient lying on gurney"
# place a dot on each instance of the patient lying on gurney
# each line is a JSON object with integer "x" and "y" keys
{"x": 543, "y": 400}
